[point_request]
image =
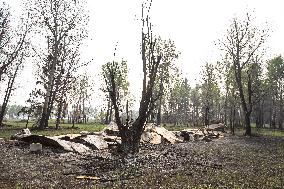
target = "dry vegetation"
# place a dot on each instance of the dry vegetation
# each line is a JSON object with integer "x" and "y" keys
{"x": 230, "y": 162}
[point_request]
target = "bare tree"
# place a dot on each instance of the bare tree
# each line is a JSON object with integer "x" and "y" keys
{"x": 243, "y": 42}
{"x": 131, "y": 132}
{"x": 13, "y": 50}
{"x": 64, "y": 28}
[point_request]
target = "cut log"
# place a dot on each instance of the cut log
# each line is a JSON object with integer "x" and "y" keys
{"x": 155, "y": 139}
{"x": 216, "y": 127}
{"x": 94, "y": 141}
{"x": 151, "y": 137}
{"x": 167, "y": 135}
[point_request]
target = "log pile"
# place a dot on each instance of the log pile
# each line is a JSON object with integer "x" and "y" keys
{"x": 209, "y": 133}
{"x": 155, "y": 135}
{"x": 109, "y": 137}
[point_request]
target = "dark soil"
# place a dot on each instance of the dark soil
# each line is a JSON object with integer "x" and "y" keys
{"x": 230, "y": 162}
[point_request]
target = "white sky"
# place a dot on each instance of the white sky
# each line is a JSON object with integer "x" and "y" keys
{"x": 193, "y": 25}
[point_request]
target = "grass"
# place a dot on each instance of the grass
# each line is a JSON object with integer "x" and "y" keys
{"x": 14, "y": 126}
{"x": 268, "y": 132}
{"x": 172, "y": 127}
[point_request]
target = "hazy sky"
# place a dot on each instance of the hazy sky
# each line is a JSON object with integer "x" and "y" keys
{"x": 193, "y": 25}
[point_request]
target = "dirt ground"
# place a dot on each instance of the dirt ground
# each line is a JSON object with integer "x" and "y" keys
{"x": 230, "y": 162}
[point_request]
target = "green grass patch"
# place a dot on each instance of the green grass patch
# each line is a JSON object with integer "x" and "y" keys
{"x": 268, "y": 132}
{"x": 261, "y": 131}
{"x": 13, "y": 126}
{"x": 172, "y": 127}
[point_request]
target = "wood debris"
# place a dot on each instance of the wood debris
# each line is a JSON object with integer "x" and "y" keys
{"x": 109, "y": 137}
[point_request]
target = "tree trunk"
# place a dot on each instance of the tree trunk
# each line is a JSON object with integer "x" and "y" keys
{"x": 280, "y": 119}
{"x": 73, "y": 121}
{"x": 262, "y": 114}
{"x": 43, "y": 123}
{"x": 110, "y": 114}
{"x": 206, "y": 119}
{"x": 131, "y": 134}
{"x": 233, "y": 121}
{"x": 247, "y": 126}
{"x": 159, "y": 113}
{"x": 270, "y": 113}
{"x": 225, "y": 108}
{"x": 159, "y": 119}
{"x": 244, "y": 104}
{"x": 59, "y": 111}
{"x": 8, "y": 92}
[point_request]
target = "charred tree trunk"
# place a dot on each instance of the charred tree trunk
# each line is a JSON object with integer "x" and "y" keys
{"x": 159, "y": 113}
{"x": 131, "y": 132}
{"x": 110, "y": 115}
{"x": 206, "y": 117}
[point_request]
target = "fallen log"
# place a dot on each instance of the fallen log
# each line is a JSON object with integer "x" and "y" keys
{"x": 151, "y": 137}
{"x": 216, "y": 127}
{"x": 56, "y": 143}
{"x": 95, "y": 142}
{"x": 152, "y": 134}
{"x": 167, "y": 135}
